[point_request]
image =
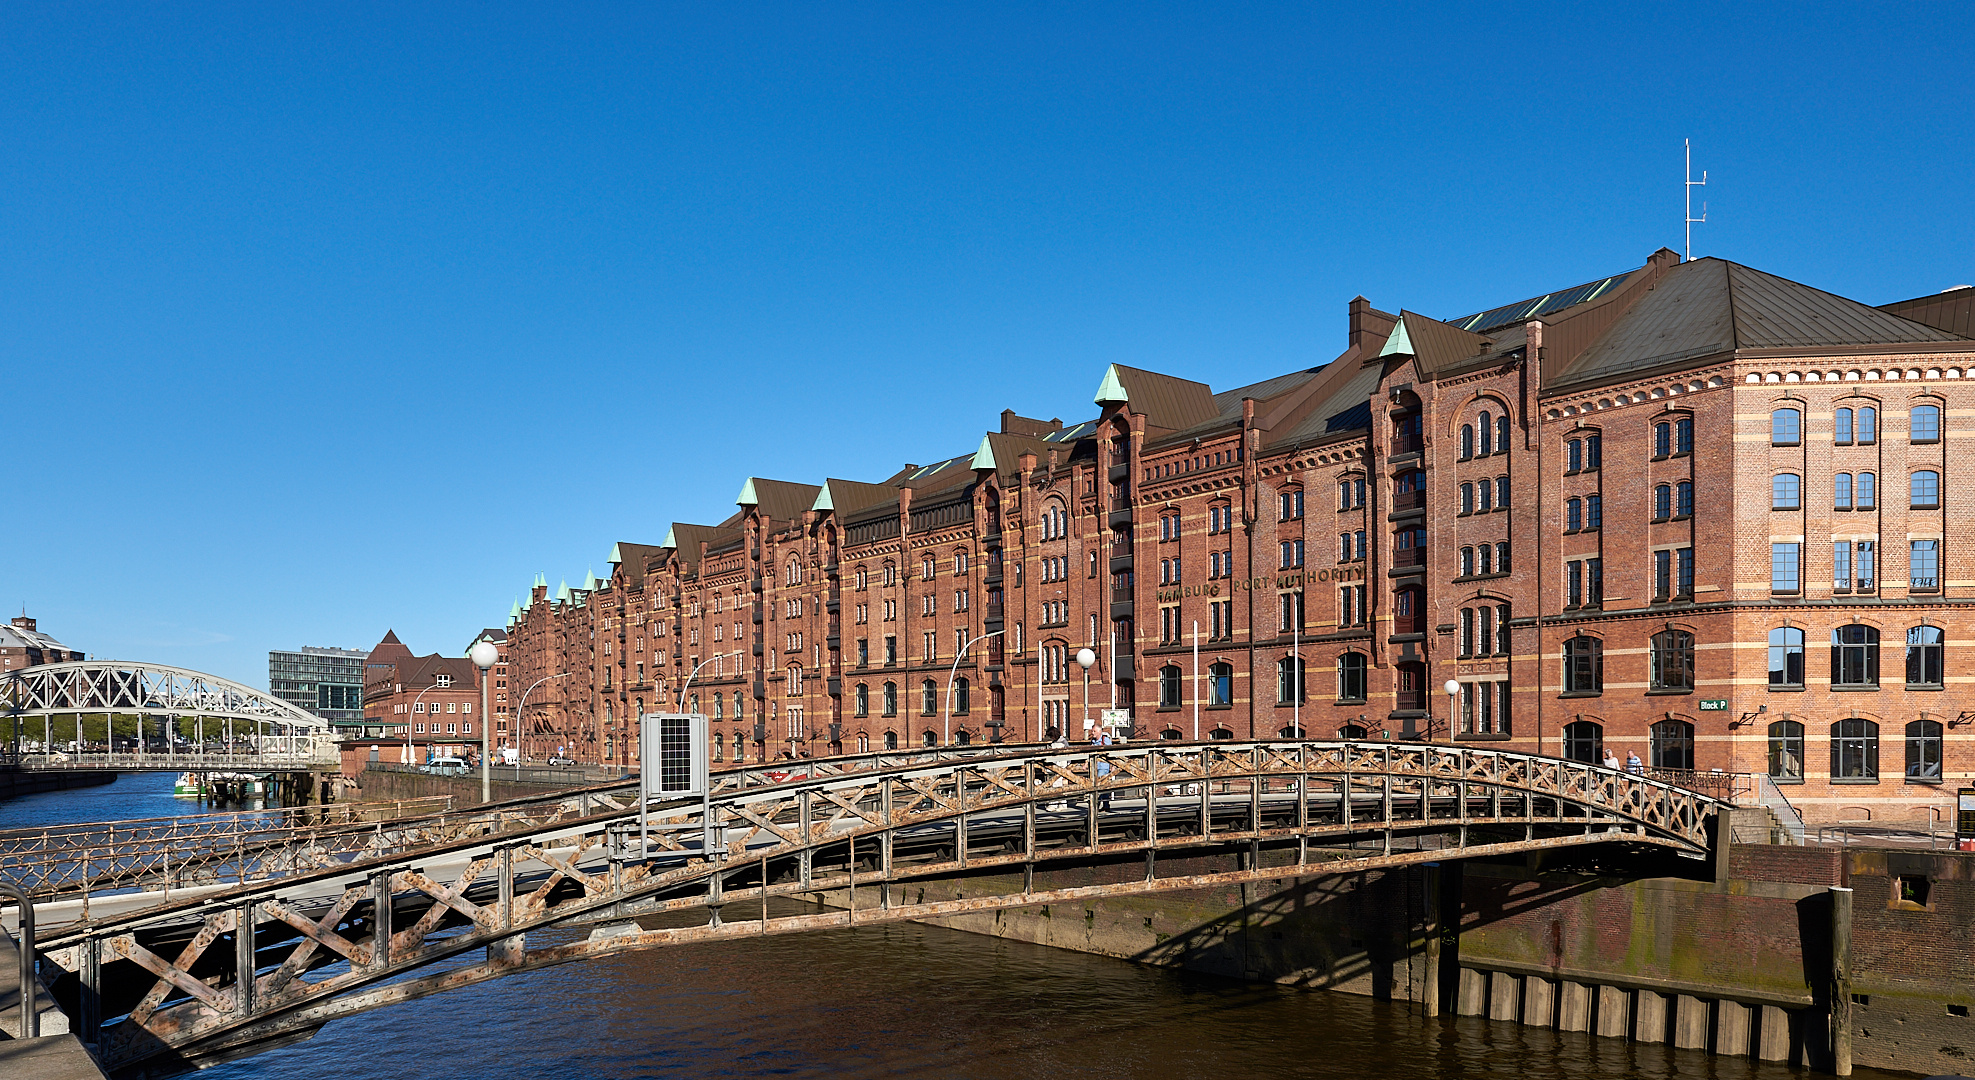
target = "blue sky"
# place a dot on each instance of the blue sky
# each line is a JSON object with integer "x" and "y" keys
{"x": 314, "y": 323}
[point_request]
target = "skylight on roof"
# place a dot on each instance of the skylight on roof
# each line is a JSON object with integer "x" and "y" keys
{"x": 1524, "y": 310}
{"x": 1071, "y": 433}
{"x": 928, "y": 470}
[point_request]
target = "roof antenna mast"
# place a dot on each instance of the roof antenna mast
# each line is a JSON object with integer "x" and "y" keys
{"x": 1692, "y": 183}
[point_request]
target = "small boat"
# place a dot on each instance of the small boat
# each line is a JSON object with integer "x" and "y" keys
{"x": 188, "y": 786}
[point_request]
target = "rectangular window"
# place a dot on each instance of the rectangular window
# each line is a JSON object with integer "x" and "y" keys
{"x": 1662, "y": 574}
{"x": 1784, "y": 568}
{"x": 1594, "y": 581}
{"x": 1574, "y": 583}
{"x": 1867, "y": 566}
{"x": 1291, "y": 605}
{"x": 1594, "y": 451}
{"x": 1594, "y": 511}
{"x": 1924, "y": 565}
{"x": 1684, "y": 570}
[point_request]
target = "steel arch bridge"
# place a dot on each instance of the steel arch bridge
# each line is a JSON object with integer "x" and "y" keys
{"x": 220, "y": 971}
{"x": 158, "y": 692}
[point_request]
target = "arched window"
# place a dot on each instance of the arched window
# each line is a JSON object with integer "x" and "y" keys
{"x": 1786, "y": 751}
{"x": 864, "y": 744}
{"x": 1289, "y": 680}
{"x": 1683, "y": 499}
{"x": 1923, "y": 751}
{"x": 891, "y": 740}
{"x": 1855, "y": 750}
{"x": 1573, "y": 514}
{"x": 1925, "y": 424}
{"x": 1841, "y": 427}
{"x": 1683, "y": 435}
{"x": 1169, "y": 687}
{"x": 1662, "y": 502}
{"x": 1467, "y": 498}
{"x": 861, "y": 699}
{"x": 795, "y": 572}
{"x": 1785, "y": 427}
{"x": 1486, "y": 428}
{"x": 795, "y": 680}
{"x": 1841, "y": 491}
{"x": 1467, "y": 441}
{"x": 1467, "y": 562}
{"x": 1171, "y": 734}
{"x": 928, "y": 698}
{"x": 1352, "y": 732}
{"x": 1868, "y": 426}
{"x": 719, "y": 708}
{"x": 1854, "y": 655}
{"x": 1220, "y": 684}
{"x": 1662, "y": 439}
{"x": 1351, "y": 671}
{"x": 737, "y": 704}
{"x": 1584, "y": 740}
{"x": 1484, "y": 497}
{"x": 719, "y": 749}
{"x": 1785, "y": 491}
{"x": 1502, "y": 434}
{"x": 1584, "y": 665}
{"x": 1924, "y": 649}
{"x": 930, "y": 738}
{"x": 1673, "y": 660}
{"x": 1786, "y": 656}
{"x": 1673, "y": 745}
{"x": 890, "y": 698}
{"x": 1926, "y": 489}
{"x": 740, "y": 747}
{"x": 1220, "y": 733}
{"x": 961, "y": 695}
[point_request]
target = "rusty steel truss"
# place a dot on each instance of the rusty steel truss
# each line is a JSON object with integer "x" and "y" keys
{"x": 238, "y": 970}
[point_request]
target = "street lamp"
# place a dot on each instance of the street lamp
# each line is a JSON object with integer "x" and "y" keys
{"x": 414, "y": 708}
{"x": 695, "y": 671}
{"x": 956, "y": 668}
{"x": 518, "y": 713}
{"x": 483, "y": 654}
{"x": 1085, "y": 658}
{"x": 1453, "y": 690}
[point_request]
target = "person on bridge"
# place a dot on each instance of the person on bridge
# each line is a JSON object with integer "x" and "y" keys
{"x": 1633, "y": 764}
{"x": 1611, "y": 759}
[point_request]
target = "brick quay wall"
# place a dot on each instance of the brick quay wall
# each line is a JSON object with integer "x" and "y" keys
{"x": 1735, "y": 961}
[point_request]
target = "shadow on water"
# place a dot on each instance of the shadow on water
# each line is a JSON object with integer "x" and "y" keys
{"x": 909, "y": 1000}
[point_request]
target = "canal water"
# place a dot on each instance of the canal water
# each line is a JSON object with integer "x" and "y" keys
{"x": 911, "y": 1001}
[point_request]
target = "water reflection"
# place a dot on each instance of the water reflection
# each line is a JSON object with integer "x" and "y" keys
{"x": 923, "y": 1001}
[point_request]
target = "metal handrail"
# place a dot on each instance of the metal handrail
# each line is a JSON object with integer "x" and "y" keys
{"x": 30, "y": 1015}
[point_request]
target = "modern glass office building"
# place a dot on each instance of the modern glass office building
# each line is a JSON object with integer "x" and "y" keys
{"x": 326, "y": 682}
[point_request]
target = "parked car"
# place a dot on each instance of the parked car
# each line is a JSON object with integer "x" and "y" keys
{"x": 446, "y": 766}
{"x": 558, "y": 759}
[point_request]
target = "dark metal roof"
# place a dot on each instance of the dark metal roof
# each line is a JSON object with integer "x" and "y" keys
{"x": 1711, "y": 306}
{"x": 1952, "y": 311}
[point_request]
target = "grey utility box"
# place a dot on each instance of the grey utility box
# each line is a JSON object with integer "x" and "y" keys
{"x": 673, "y": 751}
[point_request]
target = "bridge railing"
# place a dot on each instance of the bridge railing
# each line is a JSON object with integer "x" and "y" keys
{"x": 305, "y": 757}
{"x": 176, "y": 850}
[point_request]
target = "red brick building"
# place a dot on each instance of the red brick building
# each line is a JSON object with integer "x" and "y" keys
{"x": 430, "y": 701}
{"x": 1693, "y": 512}
{"x": 22, "y": 645}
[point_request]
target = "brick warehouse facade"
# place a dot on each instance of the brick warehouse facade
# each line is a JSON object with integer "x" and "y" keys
{"x": 1693, "y": 511}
